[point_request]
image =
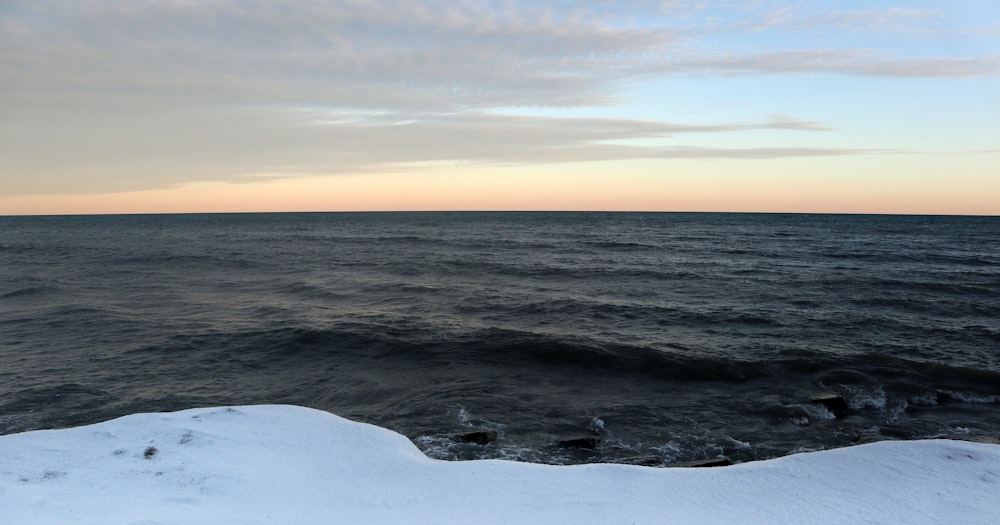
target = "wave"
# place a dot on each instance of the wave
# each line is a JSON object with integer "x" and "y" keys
{"x": 416, "y": 343}
{"x": 27, "y": 291}
{"x": 620, "y": 246}
{"x": 172, "y": 262}
{"x": 543, "y": 269}
{"x": 916, "y": 256}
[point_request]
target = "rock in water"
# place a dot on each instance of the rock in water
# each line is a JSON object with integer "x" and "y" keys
{"x": 715, "y": 462}
{"x": 833, "y": 401}
{"x": 479, "y": 438}
{"x": 645, "y": 461}
{"x": 989, "y": 440}
{"x": 589, "y": 442}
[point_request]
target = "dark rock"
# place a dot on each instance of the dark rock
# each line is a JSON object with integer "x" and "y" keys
{"x": 644, "y": 462}
{"x": 715, "y": 462}
{"x": 589, "y": 442}
{"x": 480, "y": 437}
{"x": 989, "y": 440}
{"x": 833, "y": 401}
{"x": 149, "y": 452}
{"x": 864, "y": 437}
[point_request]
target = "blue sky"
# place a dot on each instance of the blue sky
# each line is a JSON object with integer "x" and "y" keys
{"x": 163, "y": 104}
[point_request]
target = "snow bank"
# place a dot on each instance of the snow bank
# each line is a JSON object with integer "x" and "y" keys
{"x": 293, "y": 465}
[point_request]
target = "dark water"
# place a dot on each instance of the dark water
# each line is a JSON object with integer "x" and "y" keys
{"x": 671, "y": 336}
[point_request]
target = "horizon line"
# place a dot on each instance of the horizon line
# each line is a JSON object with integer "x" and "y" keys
{"x": 316, "y": 212}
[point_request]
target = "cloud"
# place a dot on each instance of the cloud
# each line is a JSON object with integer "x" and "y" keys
{"x": 407, "y": 55}
{"x": 350, "y": 54}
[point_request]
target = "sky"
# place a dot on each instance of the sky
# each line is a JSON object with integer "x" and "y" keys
{"x": 142, "y": 106}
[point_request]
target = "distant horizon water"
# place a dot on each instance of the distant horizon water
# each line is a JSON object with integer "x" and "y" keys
{"x": 680, "y": 212}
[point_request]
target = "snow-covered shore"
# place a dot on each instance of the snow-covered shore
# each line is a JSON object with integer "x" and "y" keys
{"x": 293, "y": 465}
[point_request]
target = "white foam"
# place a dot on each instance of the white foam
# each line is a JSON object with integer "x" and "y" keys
{"x": 284, "y": 464}
{"x": 896, "y": 411}
{"x": 966, "y": 397}
{"x": 860, "y": 398}
{"x": 735, "y": 443}
{"x": 814, "y": 412}
{"x": 925, "y": 399}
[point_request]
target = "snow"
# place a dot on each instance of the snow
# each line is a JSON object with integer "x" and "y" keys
{"x": 294, "y": 465}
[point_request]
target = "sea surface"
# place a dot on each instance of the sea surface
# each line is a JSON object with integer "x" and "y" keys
{"x": 666, "y": 337}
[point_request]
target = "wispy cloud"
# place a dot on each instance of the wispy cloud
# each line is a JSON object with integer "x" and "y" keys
{"x": 851, "y": 62}
{"x": 331, "y": 142}
{"x": 805, "y": 17}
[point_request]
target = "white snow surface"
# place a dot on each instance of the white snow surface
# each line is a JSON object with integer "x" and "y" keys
{"x": 291, "y": 465}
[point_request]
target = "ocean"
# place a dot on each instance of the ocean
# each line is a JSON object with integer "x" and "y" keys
{"x": 650, "y": 338}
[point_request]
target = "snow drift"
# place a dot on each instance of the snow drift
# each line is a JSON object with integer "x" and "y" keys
{"x": 294, "y": 465}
